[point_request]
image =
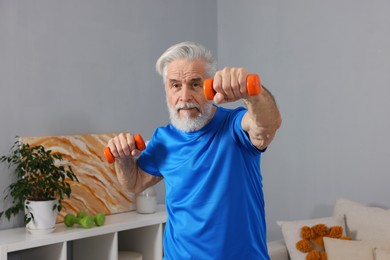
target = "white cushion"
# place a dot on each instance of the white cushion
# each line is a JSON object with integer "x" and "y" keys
{"x": 363, "y": 222}
{"x": 338, "y": 249}
{"x": 292, "y": 232}
{"x": 381, "y": 254}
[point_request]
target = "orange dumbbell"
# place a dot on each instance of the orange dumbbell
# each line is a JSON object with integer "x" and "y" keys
{"x": 253, "y": 86}
{"x": 139, "y": 144}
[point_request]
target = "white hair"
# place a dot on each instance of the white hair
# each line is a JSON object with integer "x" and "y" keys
{"x": 186, "y": 50}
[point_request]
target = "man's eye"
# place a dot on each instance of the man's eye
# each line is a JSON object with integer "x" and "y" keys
{"x": 196, "y": 84}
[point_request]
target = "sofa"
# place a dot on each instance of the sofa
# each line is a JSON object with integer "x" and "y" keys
{"x": 366, "y": 227}
{"x": 277, "y": 250}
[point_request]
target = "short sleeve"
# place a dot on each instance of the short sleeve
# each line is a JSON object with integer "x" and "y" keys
{"x": 146, "y": 161}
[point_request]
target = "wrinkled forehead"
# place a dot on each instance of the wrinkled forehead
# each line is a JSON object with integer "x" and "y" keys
{"x": 186, "y": 70}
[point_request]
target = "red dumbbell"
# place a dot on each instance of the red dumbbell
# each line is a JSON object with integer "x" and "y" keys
{"x": 253, "y": 86}
{"x": 139, "y": 144}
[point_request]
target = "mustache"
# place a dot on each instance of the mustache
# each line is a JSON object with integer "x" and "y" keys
{"x": 187, "y": 106}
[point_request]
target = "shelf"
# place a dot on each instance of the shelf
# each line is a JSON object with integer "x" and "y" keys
{"x": 142, "y": 232}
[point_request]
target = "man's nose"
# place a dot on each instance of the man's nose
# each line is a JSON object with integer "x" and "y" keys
{"x": 186, "y": 94}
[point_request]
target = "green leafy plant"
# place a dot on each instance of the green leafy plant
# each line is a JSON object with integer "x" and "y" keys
{"x": 40, "y": 177}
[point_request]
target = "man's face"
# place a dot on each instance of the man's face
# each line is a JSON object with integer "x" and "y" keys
{"x": 189, "y": 110}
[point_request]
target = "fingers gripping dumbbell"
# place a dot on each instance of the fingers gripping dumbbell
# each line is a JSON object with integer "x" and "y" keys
{"x": 253, "y": 86}
{"x": 139, "y": 144}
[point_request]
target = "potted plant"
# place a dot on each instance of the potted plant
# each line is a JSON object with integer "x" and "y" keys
{"x": 41, "y": 181}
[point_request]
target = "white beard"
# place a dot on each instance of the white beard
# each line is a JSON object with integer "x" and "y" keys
{"x": 187, "y": 123}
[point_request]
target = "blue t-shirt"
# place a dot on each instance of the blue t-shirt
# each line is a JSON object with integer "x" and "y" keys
{"x": 214, "y": 195}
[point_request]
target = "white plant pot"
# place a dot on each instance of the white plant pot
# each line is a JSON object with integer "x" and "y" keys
{"x": 44, "y": 216}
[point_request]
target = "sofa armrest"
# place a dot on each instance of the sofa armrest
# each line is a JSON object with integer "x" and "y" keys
{"x": 277, "y": 250}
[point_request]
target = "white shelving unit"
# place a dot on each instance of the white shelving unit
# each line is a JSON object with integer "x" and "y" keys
{"x": 128, "y": 231}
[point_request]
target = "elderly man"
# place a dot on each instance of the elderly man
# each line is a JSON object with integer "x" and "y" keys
{"x": 209, "y": 158}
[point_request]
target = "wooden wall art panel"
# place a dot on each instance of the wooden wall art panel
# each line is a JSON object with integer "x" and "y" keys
{"x": 98, "y": 189}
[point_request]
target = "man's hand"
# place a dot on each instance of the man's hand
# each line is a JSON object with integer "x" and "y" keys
{"x": 230, "y": 85}
{"x": 123, "y": 146}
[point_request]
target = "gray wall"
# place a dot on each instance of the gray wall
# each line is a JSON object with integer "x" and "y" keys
{"x": 76, "y": 67}
{"x": 328, "y": 65}
{"x": 73, "y": 67}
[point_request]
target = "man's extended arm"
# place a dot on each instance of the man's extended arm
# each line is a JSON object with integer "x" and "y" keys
{"x": 263, "y": 116}
{"x": 262, "y": 119}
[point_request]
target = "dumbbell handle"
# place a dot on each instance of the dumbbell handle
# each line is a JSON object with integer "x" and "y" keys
{"x": 139, "y": 144}
{"x": 253, "y": 86}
